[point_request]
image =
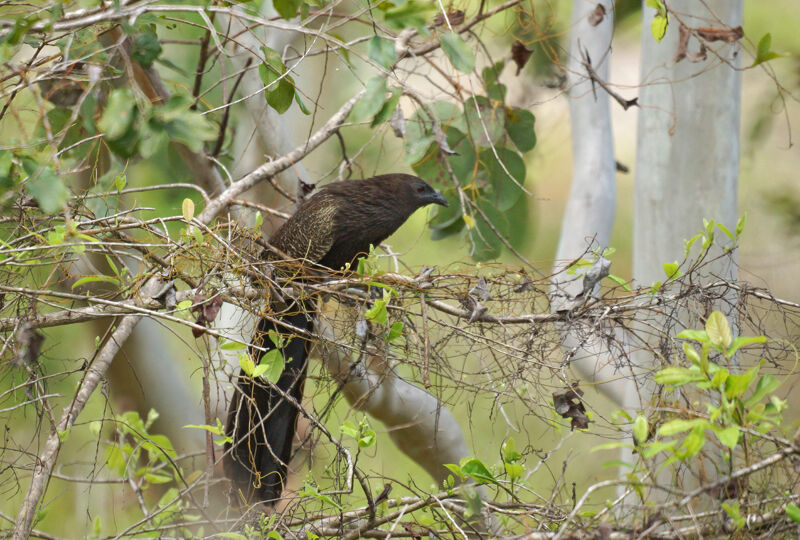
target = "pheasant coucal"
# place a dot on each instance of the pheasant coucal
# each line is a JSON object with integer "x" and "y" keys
{"x": 331, "y": 229}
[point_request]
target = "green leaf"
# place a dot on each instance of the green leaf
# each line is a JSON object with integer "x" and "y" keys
{"x": 94, "y": 279}
{"x": 520, "y": 127}
{"x": 281, "y": 97}
{"x": 459, "y": 53}
{"x": 793, "y": 512}
{"x": 514, "y": 470}
{"x": 215, "y": 430}
{"x": 677, "y": 376}
{"x": 382, "y": 51}
{"x": 279, "y": 88}
{"x": 735, "y": 514}
{"x": 679, "y": 426}
{"x": 764, "y": 52}
{"x": 348, "y": 428}
{"x": 740, "y": 224}
{"x": 506, "y": 190}
{"x": 395, "y": 331}
{"x": 743, "y": 341}
{"x": 409, "y": 14}
{"x": 455, "y": 469}
{"x": 484, "y": 243}
{"x": 509, "y": 451}
{"x": 485, "y": 120}
{"x": 146, "y": 48}
{"x": 475, "y": 469}
{"x": 672, "y": 270}
{"x": 187, "y": 208}
{"x": 611, "y": 446}
{"x": 181, "y": 124}
{"x": 640, "y": 429}
{"x": 737, "y": 385}
{"x": 728, "y": 436}
{"x": 312, "y": 491}
{"x": 378, "y": 312}
{"x": 372, "y": 101}
{"x": 287, "y": 8}
{"x": 766, "y": 385}
{"x": 119, "y": 114}
{"x": 271, "y": 366}
{"x": 718, "y": 330}
{"x": 694, "y": 335}
{"x": 693, "y": 443}
{"x": 388, "y": 108}
{"x": 658, "y": 27}
{"x": 653, "y": 448}
{"x": 45, "y": 186}
{"x": 247, "y": 364}
{"x": 691, "y": 354}
{"x": 232, "y": 346}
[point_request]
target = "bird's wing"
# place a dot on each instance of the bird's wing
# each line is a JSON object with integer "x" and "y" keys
{"x": 309, "y": 233}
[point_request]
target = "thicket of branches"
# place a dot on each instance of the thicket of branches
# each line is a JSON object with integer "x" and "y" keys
{"x": 80, "y": 86}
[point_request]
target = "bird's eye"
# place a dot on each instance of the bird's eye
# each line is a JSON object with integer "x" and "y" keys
{"x": 420, "y": 189}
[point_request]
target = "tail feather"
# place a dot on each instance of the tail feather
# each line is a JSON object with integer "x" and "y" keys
{"x": 260, "y": 421}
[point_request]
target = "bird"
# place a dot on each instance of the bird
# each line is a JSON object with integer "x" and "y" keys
{"x": 330, "y": 229}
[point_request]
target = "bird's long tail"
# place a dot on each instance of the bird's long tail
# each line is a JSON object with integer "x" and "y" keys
{"x": 261, "y": 421}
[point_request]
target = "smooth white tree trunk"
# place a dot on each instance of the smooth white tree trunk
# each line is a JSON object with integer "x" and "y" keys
{"x": 687, "y": 158}
{"x": 687, "y": 166}
{"x": 589, "y": 215}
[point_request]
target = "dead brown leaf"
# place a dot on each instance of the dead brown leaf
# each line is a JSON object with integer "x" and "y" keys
{"x": 728, "y": 35}
{"x": 520, "y": 55}
{"x": 597, "y": 15}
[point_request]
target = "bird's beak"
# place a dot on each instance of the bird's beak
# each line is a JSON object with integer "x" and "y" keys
{"x": 438, "y": 198}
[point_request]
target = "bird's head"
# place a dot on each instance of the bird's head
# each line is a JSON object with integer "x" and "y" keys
{"x": 416, "y": 192}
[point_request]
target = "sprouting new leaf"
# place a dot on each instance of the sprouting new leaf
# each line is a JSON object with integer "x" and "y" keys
{"x": 187, "y": 207}
{"x": 271, "y": 366}
{"x": 671, "y": 270}
{"x": 247, "y": 364}
{"x": 766, "y": 385}
{"x": 395, "y": 331}
{"x": 718, "y": 330}
{"x": 378, "y": 312}
{"x": 658, "y": 27}
{"x": 728, "y": 436}
{"x": 743, "y": 341}
{"x": 691, "y": 354}
{"x": 677, "y": 376}
{"x": 793, "y": 512}
{"x": 477, "y": 471}
{"x": 459, "y": 53}
{"x": 640, "y": 429}
{"x": 764, "y": 52}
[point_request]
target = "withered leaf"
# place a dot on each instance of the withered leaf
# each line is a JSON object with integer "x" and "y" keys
{"x": 567, "y": 403}
{"x": 683, "y": 47}
{"x": 683, "y": 43}
{"x": 481, "y": 290}
{"x": 520, "y": 54}
{"x": 597, "y": 15}
{"x": 728, "y": 35}
{"x": 455, "y": 18}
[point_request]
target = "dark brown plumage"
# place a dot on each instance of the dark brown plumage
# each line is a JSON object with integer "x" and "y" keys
{"x": 331, "y": 228}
